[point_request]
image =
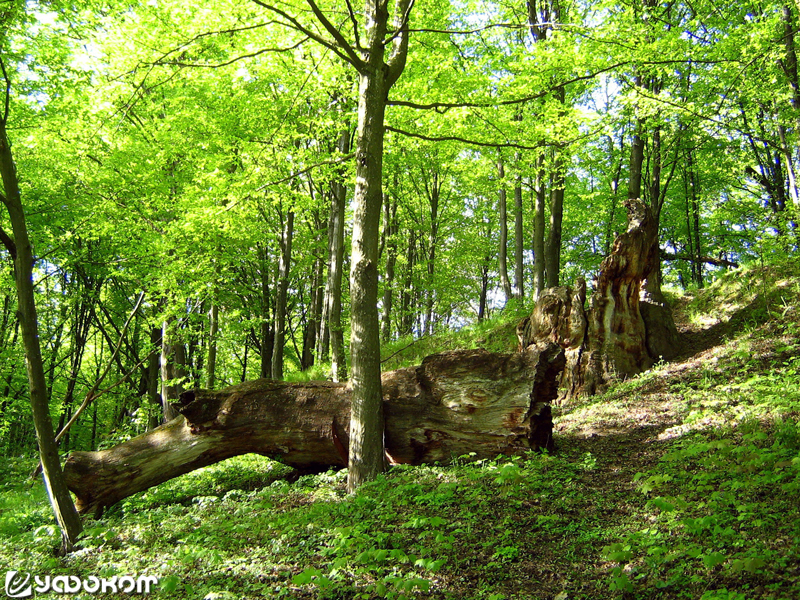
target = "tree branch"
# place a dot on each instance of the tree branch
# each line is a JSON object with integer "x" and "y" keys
{"x": 200, "y": 36}
{"x": 397, "y": 59}
{"x": 354, "y": 21}
{"x": 481, "y": 144}
{"x": 8, "y": 242}
{"x": 7, "y": 79}
{"x": 717, "y": 262}
{"x": 178, "y": 63}
{"x": 355, "y": 59}
{"x": 92, "y": 393}
{"x": 346, "y": 53}
{"x": 333, "y": 161}
{"x": 445, "y": 106}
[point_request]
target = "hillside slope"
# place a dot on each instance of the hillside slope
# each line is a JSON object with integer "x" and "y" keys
{"x": 680, "y": 483}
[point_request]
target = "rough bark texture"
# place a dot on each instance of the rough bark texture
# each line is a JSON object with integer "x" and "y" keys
{"x": 453, "y": 404}
{"x": 624, "y": 331}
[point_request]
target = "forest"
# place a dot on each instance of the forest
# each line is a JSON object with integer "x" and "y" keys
{"x": 313, "y": 195}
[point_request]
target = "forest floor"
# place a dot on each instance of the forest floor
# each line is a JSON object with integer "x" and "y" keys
{"x": 683, "y": 482}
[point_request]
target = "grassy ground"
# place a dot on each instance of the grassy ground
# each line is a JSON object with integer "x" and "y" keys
{"x": 681, "y": 483}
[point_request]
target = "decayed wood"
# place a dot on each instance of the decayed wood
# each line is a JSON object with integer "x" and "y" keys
{"x": 451, "y": 405}
{"x": 623, "y": 331}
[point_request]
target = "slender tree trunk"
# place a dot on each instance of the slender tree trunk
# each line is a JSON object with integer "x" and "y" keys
{"x": 637, "y": 160}
{"x": 266, "y": 336}
{"x": 314, "y": 311}
{"x": 791, "y": 70}
{"x": 366, "y": 457}
{"x": 519, "y": 246}
{"x": 244, "y": 359}
{"x": 333, "y": 289}
{"x": 152, "y": 376}
{"x": 315, "y": 316}
{"x": 502, "y": 256}
{"x": 213, "y": 330}
{"x": 484, "y": 293}
{"x": 696, "y": 250}
{"x": 170, "y": 371}
{"x": 390, "y": 226}
{"x": 406, "y": 293}
{"x": 21, "y": 251}
{"x": 539, "y": 282}
{"x": 283, "y": 289}
{"x": 553, "y": 256}
{"x": 433, "y": 241}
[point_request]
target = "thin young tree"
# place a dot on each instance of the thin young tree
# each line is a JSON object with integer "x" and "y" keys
{"x": 20, "y": 248}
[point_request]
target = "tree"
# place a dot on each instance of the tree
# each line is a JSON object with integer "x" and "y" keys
{"x": 20, "y": 248}
{"x": 377, "y": 74}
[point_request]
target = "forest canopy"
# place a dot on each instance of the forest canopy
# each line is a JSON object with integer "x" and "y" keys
{"x": 188, "y": 175}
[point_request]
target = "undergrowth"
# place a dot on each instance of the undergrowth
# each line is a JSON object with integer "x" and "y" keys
{"x": 680, "y": 483}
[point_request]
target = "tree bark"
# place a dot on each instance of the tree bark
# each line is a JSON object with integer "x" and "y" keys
{"x": 21, "y": 251}
{"x": 789, "y": 65}
{"x": 612, "y": 340}
{"x": 453, "y": 404}
{"x": 152, "y": 376}
{"x": 376, "y": 78}
{"x": 637, "y": 159}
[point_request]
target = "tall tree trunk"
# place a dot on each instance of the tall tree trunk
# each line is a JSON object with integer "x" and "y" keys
{"x": 539, "y": 282}
{"x": 315, "y": 316}
{"x": 312, "y": 326}
{"x": 376, "y": 78}
{"x": 553, "y": 256}
{"x": 502, "y": 256}
{"x": 390, "y": 227}
{"x": 696, "y": 250}
{"x": 152, "y": 375}
{"x": 434, "y": 190}
{"x": 21, "y": 251}
{"x": 266, "y": 336}
{"x": 170, "y": 369}
{"x": 333, "y": 287}
{"x": 283, "y": 288}
{"x": 790, "y": 68}
{"x": 519, "y": 246}
{"x": 637, "y": 160}
{"x": 406, "y": 293}
{"x": 366, "y": 458}
{"x": 213, "y": 330}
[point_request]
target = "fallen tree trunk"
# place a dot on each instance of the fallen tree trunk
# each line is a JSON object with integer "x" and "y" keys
{"x": 453, "y": 404}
